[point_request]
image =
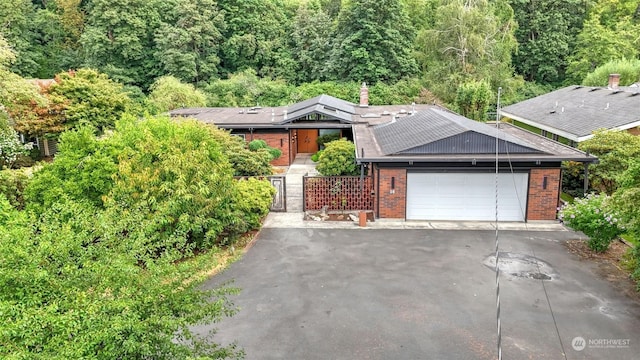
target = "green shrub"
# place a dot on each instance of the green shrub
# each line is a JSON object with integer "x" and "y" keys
{"x": 173, "y": 177}
{"x": 253, "y": 201}
{"x": 12, "y": 185}
{"x": 82, "y": 170}
{"x": 70, "y": 277}
{"x": 338, "y": 158}
{"x": 592, "y": 216}
{"x": 258, "y": 144}
{"x": 244, "y": 161}
{"x": 629, "y": 71}
{"x": 315, "y": 157}
{"x": 322, "y": 140}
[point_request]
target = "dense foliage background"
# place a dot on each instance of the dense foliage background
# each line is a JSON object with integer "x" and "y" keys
{"x": 274, "y": 52}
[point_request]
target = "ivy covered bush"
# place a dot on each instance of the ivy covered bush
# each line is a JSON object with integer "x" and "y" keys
{"x": 593, "y": 216}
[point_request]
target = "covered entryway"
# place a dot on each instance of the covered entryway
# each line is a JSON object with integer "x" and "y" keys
{"x": 466, "y": 196}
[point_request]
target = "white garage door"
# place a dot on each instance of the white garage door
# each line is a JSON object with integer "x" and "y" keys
{"x": 466, "y": 196}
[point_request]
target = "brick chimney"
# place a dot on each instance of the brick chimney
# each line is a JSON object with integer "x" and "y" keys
{"x": 614, "y": 81}
{"x": 364, "y": 95}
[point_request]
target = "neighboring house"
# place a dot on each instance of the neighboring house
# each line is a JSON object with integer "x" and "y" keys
{"x": 572, "y": 114}
{"x": 426, "y": 162}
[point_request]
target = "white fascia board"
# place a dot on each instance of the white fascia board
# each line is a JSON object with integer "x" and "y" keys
{"x": 620, "y": 128}
{"x": 550, "y": 129}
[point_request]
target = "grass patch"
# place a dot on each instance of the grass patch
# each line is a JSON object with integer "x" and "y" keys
{"x": 566, "y": 198}
{"x": 630, "y": 239}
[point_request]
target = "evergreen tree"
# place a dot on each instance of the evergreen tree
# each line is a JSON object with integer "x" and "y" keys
{"x": 189, "y": 42}
{"x": 310, "y": 42}
{"x": 546, "y": 35}
{"x": 373, "y": 42}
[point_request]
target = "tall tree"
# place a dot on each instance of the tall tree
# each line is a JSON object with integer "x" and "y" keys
{"x": 16, "y": 25}
{"x": 610, "y": 33}
{"x": 311, "y": 42}
{"x": 470, "y": 40}
{"x": 119, "y": 38}
{"x": 255, "y": 37}
{"x": 373, "y": 42}
{"x": 546, "y": 35}
{"x": 189, "y": 42}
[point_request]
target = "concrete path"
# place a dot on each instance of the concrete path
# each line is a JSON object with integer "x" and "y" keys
{"x": 296, "y": 220}
{"x": 301, "y": 165}
{"x": 423, "y": 294}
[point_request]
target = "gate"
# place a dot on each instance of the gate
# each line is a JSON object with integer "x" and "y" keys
{"x": 279, "y": 203}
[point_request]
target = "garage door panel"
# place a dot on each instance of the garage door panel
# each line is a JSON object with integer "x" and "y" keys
{"x": 466, "y": 196}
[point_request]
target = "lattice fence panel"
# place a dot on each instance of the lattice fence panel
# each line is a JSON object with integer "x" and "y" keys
{"x": 338, "y": 193}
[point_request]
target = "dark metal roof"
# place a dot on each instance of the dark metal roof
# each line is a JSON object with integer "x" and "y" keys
{"x": 436, "y": 131}
{"x": 369, "y": 150}
{"x": 575, "y": 112}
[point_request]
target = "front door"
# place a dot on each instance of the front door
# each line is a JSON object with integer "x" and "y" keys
{"x": 307, "y": 140}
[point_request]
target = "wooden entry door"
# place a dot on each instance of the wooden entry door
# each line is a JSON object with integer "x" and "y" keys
{"x": 307, "y": 140}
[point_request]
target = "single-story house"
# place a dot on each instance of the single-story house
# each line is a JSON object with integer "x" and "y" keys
{"x": 572, "y": 114}
{"x": 426, "y": 162}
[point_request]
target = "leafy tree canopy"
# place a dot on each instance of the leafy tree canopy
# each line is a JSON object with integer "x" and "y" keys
{"x": 168, "y": 93}
{"x": 470, "y": 40}
{"x": 615, "y": 150}
{"x": 373, "y": 42}
{"x": 546, "y": 36}
{"x": 629, "y": 71}
{"x": 93, "y": 98}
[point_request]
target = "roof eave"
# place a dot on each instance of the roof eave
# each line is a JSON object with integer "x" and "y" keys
{"x": 533, "y": 123}
{"x": 404, "y": 159}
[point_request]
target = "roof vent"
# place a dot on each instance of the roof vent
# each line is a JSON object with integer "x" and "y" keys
{"x": 594, "y": 89}
{"x": 635, "y": 94}
{"x": 370, "y": 115}
{"x": 607, "y": 106}
{"x": 403, "y": 111}
{"x": 577, "y": 87}
{"x": 252, "y": 111}
{"x": 386, "y": 113}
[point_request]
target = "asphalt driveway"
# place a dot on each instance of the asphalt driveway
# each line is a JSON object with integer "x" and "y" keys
{"x": 422, "y": 294}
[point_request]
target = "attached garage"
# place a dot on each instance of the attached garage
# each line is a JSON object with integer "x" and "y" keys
{"x": 466, "y": 196}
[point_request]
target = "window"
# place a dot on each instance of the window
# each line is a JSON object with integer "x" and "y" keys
{"x": 543, "y": 133}
{"x": 555, "y": 137}
{"x": 243, "y": 136}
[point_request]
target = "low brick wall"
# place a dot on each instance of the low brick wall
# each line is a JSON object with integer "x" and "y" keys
{"x": 337, "y": 192}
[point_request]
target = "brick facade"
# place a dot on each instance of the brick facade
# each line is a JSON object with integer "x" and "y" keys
{"x": 276, "y": 140}
{"x": 392, "y": 203}
{"x": 543, "y": 203}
